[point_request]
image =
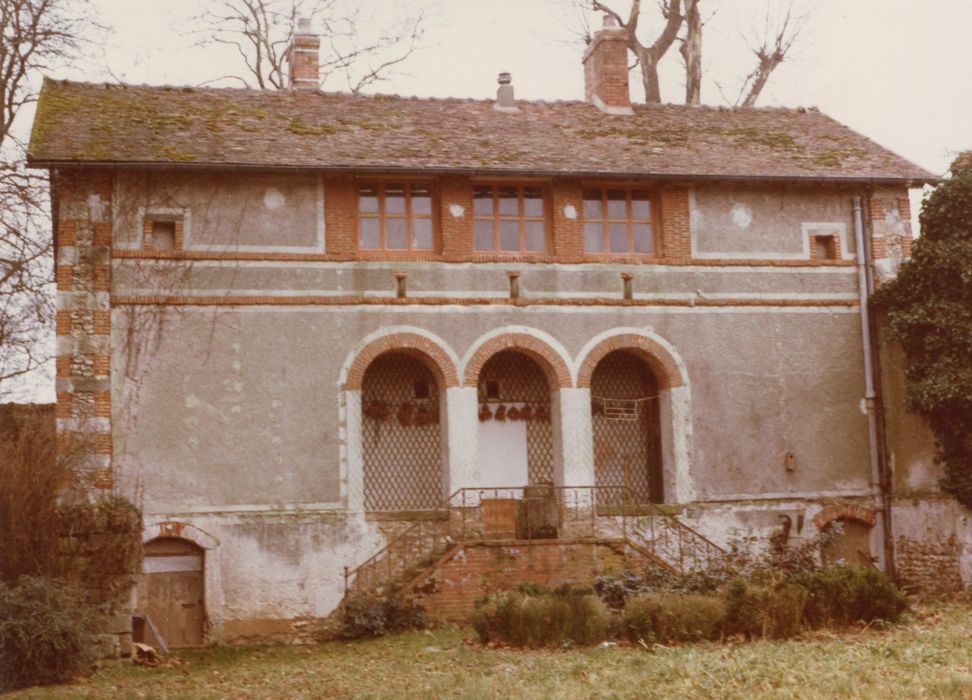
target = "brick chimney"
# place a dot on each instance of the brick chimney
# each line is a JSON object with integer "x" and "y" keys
{"x": 303, "y": 57}
{"x": 606, "y": 69}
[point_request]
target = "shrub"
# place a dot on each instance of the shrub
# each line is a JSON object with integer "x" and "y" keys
{"x": 843, "y": 595}
{"x": 373, "y": 616}
{"x": 668, "y": 618}
{"x": 773, "y": 611}
{"x": 45, "y": 633}
{"x": 541, "y": 619}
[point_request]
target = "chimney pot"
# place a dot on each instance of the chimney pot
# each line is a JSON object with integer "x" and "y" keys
{"x": 610, "y": 22}
{"x": 505, "y": 100}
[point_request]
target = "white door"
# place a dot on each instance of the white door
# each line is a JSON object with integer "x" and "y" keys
{"x": 502, "y": 452}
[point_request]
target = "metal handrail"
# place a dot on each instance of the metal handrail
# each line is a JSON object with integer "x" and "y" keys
{"x": 585, "y": 498}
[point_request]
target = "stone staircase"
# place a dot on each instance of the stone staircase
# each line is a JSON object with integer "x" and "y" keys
{"x": 495, "y": 538}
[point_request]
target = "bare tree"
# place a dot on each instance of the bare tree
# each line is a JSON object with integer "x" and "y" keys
{"x": 35, "y": 36}
{"x": 691, "y": 51}
{"x": 771, "y": 44}
{"x": 360, "y": 48}
{"x": 648, "y": 54}
{"x": 683, "y": 22}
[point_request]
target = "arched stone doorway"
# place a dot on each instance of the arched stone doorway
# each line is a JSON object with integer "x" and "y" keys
{"x": 626, "y": 429}
{"x": 515, "y": 422}
{"x": 171, "y": 593}
{"x": 401, "y": 436}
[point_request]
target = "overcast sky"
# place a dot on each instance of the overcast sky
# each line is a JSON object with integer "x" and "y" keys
{"x": 899, "y": 71}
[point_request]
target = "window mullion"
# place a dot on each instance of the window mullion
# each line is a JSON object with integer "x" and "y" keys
{"x": 408, "y": 216}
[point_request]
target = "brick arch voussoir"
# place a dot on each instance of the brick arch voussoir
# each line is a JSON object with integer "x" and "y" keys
{"x": 432, "y": 353}
{"x": 844, "y": 511}
{"x": 554, "y": 368}
{"x": 658, "y": 358}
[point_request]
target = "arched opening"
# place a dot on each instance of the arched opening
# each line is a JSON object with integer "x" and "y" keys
{"x": 626, "y": 428}
{"x": 515, "y": 426}
{"x": 170, "y": 597}
{"x": 401, "y": 437}
{"x": 849, "y": 542}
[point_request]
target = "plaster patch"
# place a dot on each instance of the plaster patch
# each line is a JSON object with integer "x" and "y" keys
{"x": 192, "y": 401}
{"x": 863, "y": 407}
{"x": 457, "y": 211}
{"x": 236, "y": 410}
{"x": 570, "y": 211}
{"x": 273, "y": 199}
{"x": 96, "y": 208}
{"x": 741, "y": 215}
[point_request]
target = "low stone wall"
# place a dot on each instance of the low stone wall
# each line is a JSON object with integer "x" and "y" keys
{"x": 472, "y": 570}
{"x": 928, "y": 566}
{"x": 100, "y": 550}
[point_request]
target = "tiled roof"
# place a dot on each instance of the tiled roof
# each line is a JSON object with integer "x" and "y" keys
{"x": 79, "y": 122}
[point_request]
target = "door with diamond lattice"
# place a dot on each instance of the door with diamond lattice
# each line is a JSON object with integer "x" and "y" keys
{"x": 626, "y": 427}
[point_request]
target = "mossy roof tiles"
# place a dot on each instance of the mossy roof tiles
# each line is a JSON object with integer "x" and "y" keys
{"x": 163, "y": 126}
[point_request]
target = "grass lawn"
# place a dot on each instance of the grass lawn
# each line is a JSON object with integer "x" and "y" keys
{"x": 929, "y": 655}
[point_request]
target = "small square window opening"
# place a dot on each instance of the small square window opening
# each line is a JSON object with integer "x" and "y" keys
{"x": 160, "y": 235}
{"x": 492, "y": 390}
{"x": 420, "y": 389}
{"x": 825, "y": 247}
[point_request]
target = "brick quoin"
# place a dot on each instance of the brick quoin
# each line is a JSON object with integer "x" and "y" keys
{"x": 662, "y": 364}
{"x": 413, "y": 344}
{"x": 553, "y": 366}
{"x": 81, "y": 330}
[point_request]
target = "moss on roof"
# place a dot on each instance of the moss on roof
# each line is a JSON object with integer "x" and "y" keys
{"x": 79, "y": 122}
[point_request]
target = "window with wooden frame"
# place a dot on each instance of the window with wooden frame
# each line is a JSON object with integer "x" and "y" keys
{"x": 618, "y": 220}
{"x": 395, "y": 216}
{"x": 509, "y": 219}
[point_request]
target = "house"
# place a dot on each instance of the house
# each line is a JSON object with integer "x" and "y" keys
{"x": 309, "y": 328}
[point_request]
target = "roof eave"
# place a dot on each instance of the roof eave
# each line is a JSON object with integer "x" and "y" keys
{"x": 911, "y": 181}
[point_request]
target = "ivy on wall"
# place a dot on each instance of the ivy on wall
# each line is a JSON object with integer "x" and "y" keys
{"x": 929, "y": 312}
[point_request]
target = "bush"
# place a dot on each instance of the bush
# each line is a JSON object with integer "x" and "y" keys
{"x": 541, "y": 619}
{"x": 371, "y": 616}
{"x": 45, "y": 633}
{"x": 772, "y": 611}
{"x": 668, "y": 618}
{"x": 842, "y": 595}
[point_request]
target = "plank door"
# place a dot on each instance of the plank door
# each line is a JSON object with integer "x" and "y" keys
{"x": 171, "y": 593}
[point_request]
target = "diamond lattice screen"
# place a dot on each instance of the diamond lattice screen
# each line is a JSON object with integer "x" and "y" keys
{"x": 401, "y": 437}
{"x": 522, "y": 381}
{"x": 625, "y": 426}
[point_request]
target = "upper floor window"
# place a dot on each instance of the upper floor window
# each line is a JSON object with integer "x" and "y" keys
{"x": 395, "y": 216}
{"x": 509, "y": 219}
{"x": 618, "y": 221}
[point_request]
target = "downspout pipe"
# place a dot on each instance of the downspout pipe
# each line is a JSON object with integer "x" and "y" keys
{"x": 881, "y": 497}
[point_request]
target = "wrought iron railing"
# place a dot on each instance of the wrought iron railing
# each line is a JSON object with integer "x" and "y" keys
{"x": 542, "y": 511}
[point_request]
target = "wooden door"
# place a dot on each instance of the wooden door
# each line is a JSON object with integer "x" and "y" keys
{"x": 170, "y": 591}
